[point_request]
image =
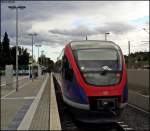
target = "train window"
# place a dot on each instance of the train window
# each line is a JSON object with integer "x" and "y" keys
{"x": 99, "y": 66}
{"x": 99, "y": 59}
{"x": 97, "y": 54}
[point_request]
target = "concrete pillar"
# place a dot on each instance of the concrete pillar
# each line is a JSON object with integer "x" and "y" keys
{"x": 9, "y": 76}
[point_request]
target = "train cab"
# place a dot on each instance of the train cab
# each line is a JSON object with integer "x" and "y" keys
{"x": 92, "y": 78}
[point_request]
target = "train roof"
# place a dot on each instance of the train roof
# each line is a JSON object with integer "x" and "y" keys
{"x": 86, "y": 44}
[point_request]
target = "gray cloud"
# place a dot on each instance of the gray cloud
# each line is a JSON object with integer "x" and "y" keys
{"x": 34, "y": 12}
{"x": 80, "y": 31}
{"x": 43, "y": 39}
{"x": 39, "y": 10}
{"x": 57, "y": 37}
{"x": 116, "y": 28}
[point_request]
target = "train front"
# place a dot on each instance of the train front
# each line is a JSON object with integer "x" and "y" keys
{"x": 99, "y": 76}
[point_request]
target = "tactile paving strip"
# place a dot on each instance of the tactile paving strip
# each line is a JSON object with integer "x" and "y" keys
{"x": 19, "y": 116}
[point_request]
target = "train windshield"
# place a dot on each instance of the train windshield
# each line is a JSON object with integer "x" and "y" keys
{"x": 100, "y": 66}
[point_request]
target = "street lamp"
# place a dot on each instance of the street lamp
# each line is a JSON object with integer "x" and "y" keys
{"x": 106, "y": 33}
{"x": 16, "y": 8}
{"x": 32, "y": 34}
{"x": 38, "y": 51}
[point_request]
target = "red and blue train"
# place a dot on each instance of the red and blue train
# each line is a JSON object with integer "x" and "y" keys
{"x": 92, "y": 78}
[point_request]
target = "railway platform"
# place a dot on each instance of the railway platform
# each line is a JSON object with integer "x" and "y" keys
{"x": 33, "y": 107}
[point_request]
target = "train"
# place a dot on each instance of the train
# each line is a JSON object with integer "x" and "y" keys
{"x": 92, "y": 79}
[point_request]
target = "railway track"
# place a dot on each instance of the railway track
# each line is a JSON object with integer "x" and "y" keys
{"x": 137, "y": 108}
{"x": 136, "y": 118}
{"x": 69, "y": 123}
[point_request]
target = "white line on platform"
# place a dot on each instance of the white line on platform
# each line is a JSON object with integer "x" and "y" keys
{"x": 4, "y": 83}
{"x": 54, "y": 114}
{"x": 14, "y": 90}
{"x": 26, "y": 122}
{"x": 16, "y": 98}
{"x": 133, "y": 106}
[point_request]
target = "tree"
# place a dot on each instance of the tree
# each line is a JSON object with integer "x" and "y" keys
{"x": 42, "y": 60}
{"x": 13, "y": 55}
{"x": 5, "y": 51}
{"x": 8, "y": 55}
{"x": 46, "y": 62}
{"x": 50, "y": 65}
{"x": 138, "y": 59}
{"x": 23, "y": 57}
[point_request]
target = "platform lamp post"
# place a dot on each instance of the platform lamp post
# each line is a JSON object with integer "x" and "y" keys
{"x": 32, "y": 35}
{"x": 106, "y": 33}
{"x": 16, "y": 8}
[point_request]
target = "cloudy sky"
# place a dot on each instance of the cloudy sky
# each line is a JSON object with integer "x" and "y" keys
{"x": 58, "y": 22}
